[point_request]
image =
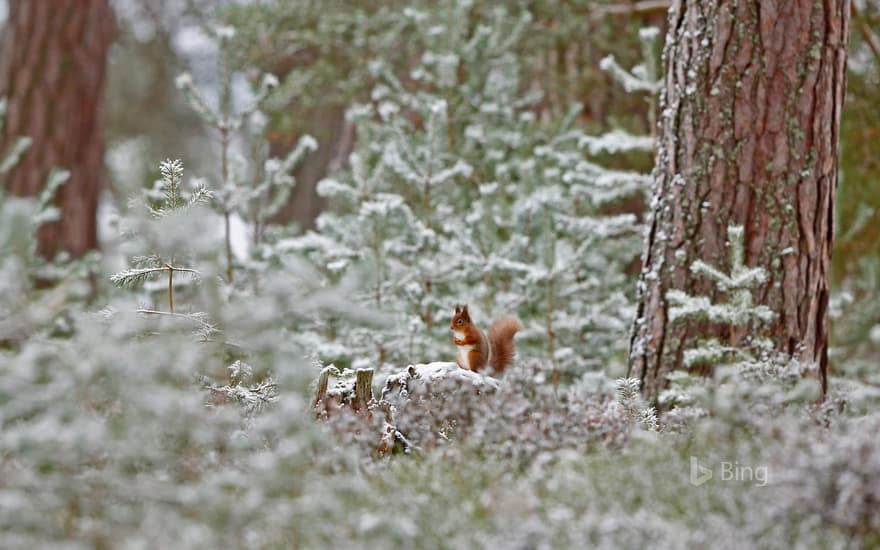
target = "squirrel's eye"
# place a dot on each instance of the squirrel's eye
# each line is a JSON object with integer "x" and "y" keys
{"x": 461, "y": 321}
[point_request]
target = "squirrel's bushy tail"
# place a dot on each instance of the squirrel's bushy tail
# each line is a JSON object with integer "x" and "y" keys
{"x": 501, "y": 333}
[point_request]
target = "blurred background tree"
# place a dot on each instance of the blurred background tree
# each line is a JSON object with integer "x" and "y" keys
{"x": 52, "y": 73}
{"x": 856, "y": 257}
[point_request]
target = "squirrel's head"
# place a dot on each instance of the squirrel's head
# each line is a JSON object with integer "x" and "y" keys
{"x": 461, "y": 318}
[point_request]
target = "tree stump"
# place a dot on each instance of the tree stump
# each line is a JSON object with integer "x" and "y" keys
{"x": 363, "y": 389}
{"x": 356, "y": 393}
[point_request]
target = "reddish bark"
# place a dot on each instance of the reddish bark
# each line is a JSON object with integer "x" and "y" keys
{"x": 749, "y": 136}
{"x": 52, "y": 72}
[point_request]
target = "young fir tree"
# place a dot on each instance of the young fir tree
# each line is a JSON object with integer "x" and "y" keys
{"x": 257, "y": 192}
{"x": 737, "y": 314}
{"x": 167, "y": 203}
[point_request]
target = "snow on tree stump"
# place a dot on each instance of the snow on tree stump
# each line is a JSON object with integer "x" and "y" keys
{"x": 356, "y": 393}
{"x": 435, "y": 400}
{"x": 445, "y": 375}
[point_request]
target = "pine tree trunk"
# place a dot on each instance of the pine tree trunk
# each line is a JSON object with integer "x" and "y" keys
{"x": 749, "y": 126}
{"x": 52, "y": 71}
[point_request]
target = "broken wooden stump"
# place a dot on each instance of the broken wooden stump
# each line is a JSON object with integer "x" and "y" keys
{"x": 363, "y": 389}
{"x": 321, "y": 386}
{"x": 355, "y": 395}
{"x": 354, "y": 392}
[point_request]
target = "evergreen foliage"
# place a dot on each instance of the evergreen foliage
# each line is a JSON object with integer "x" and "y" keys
{"x": 458, "y": 193}
{"x": 11, "y": 157}
{"x": 126, "y": 426}
{"x": 173, "y": 204}
{"x": 255, "y": 195}
{"x": 738, "y": 312}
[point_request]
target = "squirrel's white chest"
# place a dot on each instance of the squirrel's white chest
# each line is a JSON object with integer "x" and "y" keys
{"x": 463, "y": 354}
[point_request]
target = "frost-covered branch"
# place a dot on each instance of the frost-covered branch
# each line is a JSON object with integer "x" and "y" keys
{"x": 629, "y": 81}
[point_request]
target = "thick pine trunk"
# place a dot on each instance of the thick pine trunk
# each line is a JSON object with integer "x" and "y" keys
{"x": 750, "y": 111}
{"x": 52, "y": 70}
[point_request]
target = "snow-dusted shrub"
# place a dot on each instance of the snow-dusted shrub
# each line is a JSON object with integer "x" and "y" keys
{"x": 524, "y": 420}
{"x": 438, "y": 403}
{"x": 514, "y": 419}
{"x": 832, "y": 479}
{"x": 132, "y": 430}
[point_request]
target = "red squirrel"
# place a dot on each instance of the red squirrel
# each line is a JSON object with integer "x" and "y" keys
{"x": 475, "y": 350}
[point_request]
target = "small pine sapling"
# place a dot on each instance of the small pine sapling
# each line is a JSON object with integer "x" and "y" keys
{"x": 629, "y": 397}
{"x": 741, "y": 353}
{"x": 738, "y": 311}
{"x": 146, "y": 267}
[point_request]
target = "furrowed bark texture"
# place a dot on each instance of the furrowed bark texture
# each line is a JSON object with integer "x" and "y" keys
{"x": 52, "y": 70}
{"x": 750, "y": 110}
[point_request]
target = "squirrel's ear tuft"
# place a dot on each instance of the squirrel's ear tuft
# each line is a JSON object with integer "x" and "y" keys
{"x": 457, "y": 308}
{"x": 465, "y": 308}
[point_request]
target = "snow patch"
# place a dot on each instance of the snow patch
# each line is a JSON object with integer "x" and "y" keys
{"x": 436, "y": 372}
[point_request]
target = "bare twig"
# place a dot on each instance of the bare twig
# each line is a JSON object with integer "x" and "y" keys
{"x": 642, "y": 7}
{"x": 189, "y": 316}
{"x": 224, "y": 139}
{"x": 868, "y": 35}
{"x": 170, "y": 288}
